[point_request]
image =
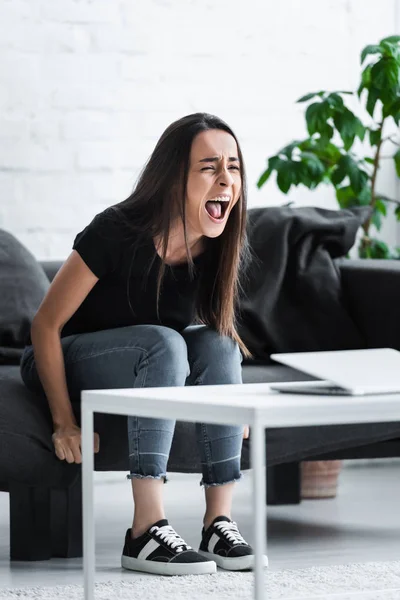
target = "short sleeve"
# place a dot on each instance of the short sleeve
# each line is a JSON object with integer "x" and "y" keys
{"x": 99, "y": 244}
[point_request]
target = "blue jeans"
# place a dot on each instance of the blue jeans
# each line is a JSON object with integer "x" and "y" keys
{"x": 156, "y": 356}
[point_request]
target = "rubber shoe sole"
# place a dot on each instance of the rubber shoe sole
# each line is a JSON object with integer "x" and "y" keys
{"x": 239, "y": 563}
{"x": 160, "y": 568}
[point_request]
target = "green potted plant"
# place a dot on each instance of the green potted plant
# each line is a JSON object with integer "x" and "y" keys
{"x": 346, "y": 153}
{"x": 331, "y": 153}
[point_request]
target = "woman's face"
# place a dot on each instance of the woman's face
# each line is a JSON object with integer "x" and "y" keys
{"x": 214, "y": 172}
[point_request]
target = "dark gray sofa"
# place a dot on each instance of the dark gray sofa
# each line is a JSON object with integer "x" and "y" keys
{"x": 45, "y": 493}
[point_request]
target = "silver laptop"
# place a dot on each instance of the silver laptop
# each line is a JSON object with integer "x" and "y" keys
{"x": 344, "y": 372}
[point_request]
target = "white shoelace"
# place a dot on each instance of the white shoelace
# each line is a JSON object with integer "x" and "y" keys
{"x": 170, "y": 537}
{"x": 230, "y": 531}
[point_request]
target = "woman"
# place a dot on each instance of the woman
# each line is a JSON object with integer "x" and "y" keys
{"x": 147, "y": 298}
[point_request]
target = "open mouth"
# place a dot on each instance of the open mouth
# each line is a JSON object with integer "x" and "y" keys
{"x": 217, "y": 209}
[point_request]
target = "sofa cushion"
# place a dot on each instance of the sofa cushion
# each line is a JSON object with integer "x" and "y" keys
{"x": 259, "y": 373}
{"x": 27, "y": 455}
{"x": 24, "y": 284}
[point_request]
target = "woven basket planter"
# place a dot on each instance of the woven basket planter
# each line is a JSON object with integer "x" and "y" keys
{"x": 319, "y": 479}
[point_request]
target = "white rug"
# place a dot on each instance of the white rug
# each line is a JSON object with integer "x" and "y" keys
{"x": 367, "y": 581}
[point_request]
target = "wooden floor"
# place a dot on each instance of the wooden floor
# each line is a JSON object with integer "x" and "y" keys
{"x": 362, "y": 524}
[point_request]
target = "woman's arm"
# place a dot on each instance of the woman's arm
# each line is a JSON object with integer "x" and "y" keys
{"x": 68, "y": 290}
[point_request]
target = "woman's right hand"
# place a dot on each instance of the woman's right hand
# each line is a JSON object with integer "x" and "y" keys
{"x": 67, "y": 443}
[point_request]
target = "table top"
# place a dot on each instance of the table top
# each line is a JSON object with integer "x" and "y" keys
{"x": 243, "y": 403}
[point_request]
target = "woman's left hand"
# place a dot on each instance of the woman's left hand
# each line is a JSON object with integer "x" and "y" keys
{"x": 246, "y": 432}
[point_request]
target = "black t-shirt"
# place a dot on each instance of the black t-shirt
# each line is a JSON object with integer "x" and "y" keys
{"x": 108, "y": 252}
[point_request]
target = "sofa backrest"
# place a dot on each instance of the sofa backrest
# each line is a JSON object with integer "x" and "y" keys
{"x": 51, "y": 267}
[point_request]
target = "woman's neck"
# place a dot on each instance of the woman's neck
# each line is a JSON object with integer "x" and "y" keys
{"x": 176, "y": 250}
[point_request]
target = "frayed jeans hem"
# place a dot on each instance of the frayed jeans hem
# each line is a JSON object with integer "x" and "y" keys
{"x": 207, "y": 485}
{"x": 137, "y": 476}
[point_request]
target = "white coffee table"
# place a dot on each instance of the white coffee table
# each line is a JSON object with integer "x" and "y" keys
{"x": 237, "y": 404}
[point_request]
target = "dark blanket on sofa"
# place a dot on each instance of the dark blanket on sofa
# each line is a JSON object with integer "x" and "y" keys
{"x": 292, "y": 296}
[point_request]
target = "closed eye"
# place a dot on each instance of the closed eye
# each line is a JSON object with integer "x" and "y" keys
{"x": 233, "y": 167}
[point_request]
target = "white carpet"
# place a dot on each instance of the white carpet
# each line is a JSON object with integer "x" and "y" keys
{"x": 368, "y": 581}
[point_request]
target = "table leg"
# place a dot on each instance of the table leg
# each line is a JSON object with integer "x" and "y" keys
{"x": 257, "y": 456}
{"x": 87, "y": 499}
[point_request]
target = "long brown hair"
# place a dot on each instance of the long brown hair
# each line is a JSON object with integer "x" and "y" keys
{"x": 160, "y": 188}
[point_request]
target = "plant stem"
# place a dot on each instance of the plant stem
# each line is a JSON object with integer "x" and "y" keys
{"x": 389, "y": 137}
{"x": 397, "y": 202}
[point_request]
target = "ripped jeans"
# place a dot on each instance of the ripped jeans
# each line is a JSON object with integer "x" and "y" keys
{"x": 156, "y": 356}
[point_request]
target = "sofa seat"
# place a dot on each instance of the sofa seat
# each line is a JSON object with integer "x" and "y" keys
{"x": 27, "y": 456}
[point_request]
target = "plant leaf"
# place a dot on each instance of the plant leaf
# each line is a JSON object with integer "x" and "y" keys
{"x": 376, "y": 220}
{"x": 388, "y": 200}
{"x": 285, "y": 176}
{"x": 314, "y": 167}
{"x": 380, "y": 206}
{"x": 312, "y": 117}
{"x": 264, "y": 178}
{"x": 390, "y": 50}
{"x": 301, "y": 175}
{"x": 375, "y": 136}
{"x": 379, "y": 249}
{"x": 392, "y": 109}
{"x": 288, "y": 150}
{"x": 340, "y": 172}
{"x": 364, "y": 197}
{"x": 365, "y": 79}
{"x": 397, "y": 162}
{"x": 273, "y": 161}
{"x": 329, "y": 153}
{"x": 370, "y": 49}
{"x": 360, "y": 129}
{"x": 392, "y": 39}
{"x": 385, "y": 74}
{"x": 389, "y": 95}
{"x": 374, "y": 248}
{"x": 335, "y": 101}
{"x": 317, "y": 114}
{"x": 397, "y": 213}
{"x": 358, "y": 177}
{"x": 309, "y": 96}
{"x": 373, "y": 96}
{"x": 348, "y": 125}
{"x": 326, "y": 134}
{"x": 345, "y": 197}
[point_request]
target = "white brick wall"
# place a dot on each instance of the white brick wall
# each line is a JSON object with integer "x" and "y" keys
{"x": 87, "y": 88}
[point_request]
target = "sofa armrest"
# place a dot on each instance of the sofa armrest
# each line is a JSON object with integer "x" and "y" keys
{"x": 371, "y": 290}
